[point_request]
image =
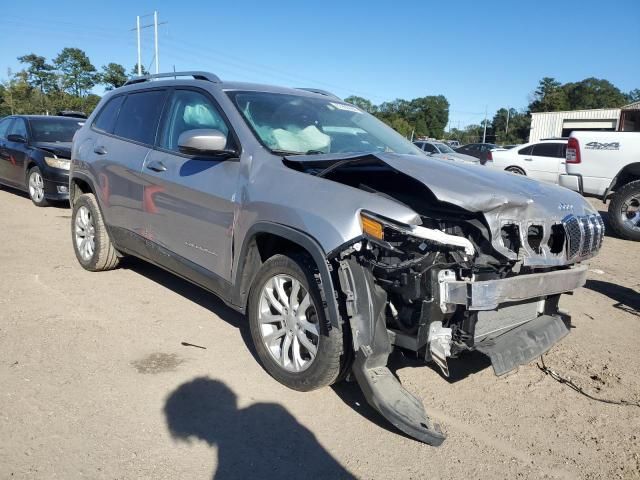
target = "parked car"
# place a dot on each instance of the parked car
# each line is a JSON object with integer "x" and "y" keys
{"x": 35, "y": 154}
{"x": 445, "y": 152}
{"x": 335, "y": 235}
{"x": 543, "y": 160}
{"x": 607, "y": 164}
{"x": 453, "y": 143}
{"x": 479, "y": 150}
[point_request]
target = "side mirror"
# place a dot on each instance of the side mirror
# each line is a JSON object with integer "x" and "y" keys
{"x": 16, "y": 138}
{"x": 207, "y": 141}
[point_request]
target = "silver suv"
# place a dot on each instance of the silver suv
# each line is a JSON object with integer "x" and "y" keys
{"x": 333, "y": 233}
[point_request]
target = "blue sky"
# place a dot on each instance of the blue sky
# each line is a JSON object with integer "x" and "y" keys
{"x": 477, "y": 54}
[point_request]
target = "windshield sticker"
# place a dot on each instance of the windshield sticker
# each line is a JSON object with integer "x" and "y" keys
{"x": 345, "y": 107}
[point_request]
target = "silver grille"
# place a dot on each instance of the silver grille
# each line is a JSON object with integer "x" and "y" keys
{"x": 584, "y": 236}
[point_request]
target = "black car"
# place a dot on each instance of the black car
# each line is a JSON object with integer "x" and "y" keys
{"x": 478, "y": 150}
{"x": 35, "y": 153}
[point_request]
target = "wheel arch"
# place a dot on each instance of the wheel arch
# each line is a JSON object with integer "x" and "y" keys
{"x": 627, "y": 174}
{"x": 265, "y": 239}
{"x": 79, "y": 185}
{"x": 516, "y": 167}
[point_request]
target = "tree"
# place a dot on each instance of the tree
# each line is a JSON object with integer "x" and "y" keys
{"x": 633, "y": 95}
{"x": 401, "y": 126}
{"x": 78, "y": 75}
{"x": 549, "y": 97}
{"x": 113, "y": 76}
{"x": 39, "y": 73}
{"x": 515, "y": 131}
{"x": 593, "y": 93}
{"x": 134, "y": 70}
{"x": 362, "y": 103}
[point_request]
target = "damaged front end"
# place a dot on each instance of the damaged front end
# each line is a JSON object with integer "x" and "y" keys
{"x": 424, "y": 290}
{"x": 484, "y": 276}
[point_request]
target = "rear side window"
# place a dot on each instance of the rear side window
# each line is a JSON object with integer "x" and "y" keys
{"x": 139, "y": 116}
{"x": 547, "y": 150}
{"x": 106, "y": 119}
{"x": 526, "y": 150}
{"x": 430, "y": 148}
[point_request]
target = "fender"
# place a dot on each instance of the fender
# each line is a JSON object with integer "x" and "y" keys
{"x": 248, "y": 264}
{"x": 630, "y": 170}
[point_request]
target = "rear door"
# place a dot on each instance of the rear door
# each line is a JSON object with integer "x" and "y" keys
{"x": 17, "y": 153}
{"x": 126, "y": 129}
{"x": 546, "y": 161}
{"x": 189, "y": 201}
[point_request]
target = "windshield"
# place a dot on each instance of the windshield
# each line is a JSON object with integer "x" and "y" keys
{"x": 297, "y": 124}
{"x": 444, "y": 148}
{"x": 55, "y": 130}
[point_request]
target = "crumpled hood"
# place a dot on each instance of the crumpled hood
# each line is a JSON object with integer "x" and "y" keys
{"x": 59, "y": 149}
{"x": 476, "y": 188}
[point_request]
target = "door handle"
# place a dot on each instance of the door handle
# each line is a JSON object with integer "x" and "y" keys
{"x": 156, "y": 166}
{"x": 528, "y": 159}
{"x": 100, "y": 150}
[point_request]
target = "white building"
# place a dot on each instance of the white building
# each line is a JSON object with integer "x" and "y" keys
{"x": 561, "y": 124}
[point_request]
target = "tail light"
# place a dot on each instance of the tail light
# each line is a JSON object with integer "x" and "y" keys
{"x": 490, "y": 155}
{"x": 573, "y": 151}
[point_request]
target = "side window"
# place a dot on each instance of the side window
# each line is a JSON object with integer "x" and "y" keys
{"x": 189, "y": 110}
{"x": 546, "y": 150}
{"x": 139, "y": 116}
{"x": 4, "y": 127}
{"x": 526, "y": 150}
{"x": 106, "y": 119}
{"x": 430, "y": 148}
{"x": 18, "y": 128}
{"x": 563, "y": 150}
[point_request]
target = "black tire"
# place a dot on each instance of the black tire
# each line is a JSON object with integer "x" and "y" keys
{"x": 515, "y": 170}
{"x": 326, "y": 367}
{"x": 37, "y": 201}
{"x": 105, "y": 256}
{"x": 626, "y": 194}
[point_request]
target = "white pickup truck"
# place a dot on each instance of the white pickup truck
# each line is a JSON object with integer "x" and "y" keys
{"x": 607, "y": 164}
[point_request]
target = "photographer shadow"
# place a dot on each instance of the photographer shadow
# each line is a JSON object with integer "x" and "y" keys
{"x": 262, "y": 440}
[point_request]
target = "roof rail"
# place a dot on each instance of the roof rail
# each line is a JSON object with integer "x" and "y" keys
{"x": 319, "y": 92}
{"x": 196, "y": 75}
{"x": 554, "y": 138}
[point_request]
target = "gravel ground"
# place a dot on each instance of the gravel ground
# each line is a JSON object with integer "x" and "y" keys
{"x": 137, "y": 374}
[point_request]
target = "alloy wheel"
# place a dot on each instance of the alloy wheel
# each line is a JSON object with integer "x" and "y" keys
{"x": 630, "y": 212}
{"x": 288, "y": 323}
{"x": 36, "y": 187}
{"x": 84, "y": 233}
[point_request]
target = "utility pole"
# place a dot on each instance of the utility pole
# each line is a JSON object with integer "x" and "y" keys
{"x": 484, "y": 135}
{"x": 155, "y": 38}
{"x": 506, "y": 130}
{"x": 139, "y": 52}
{"x": 139, "y": 27}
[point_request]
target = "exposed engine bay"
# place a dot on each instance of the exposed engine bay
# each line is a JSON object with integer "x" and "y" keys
{"x": 455, "y": 283}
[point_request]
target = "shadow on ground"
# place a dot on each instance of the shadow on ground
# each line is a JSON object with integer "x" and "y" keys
{"x": 262, "y": 440}
{"x": 58, "y": 204}
{"x": 625, "y": 298}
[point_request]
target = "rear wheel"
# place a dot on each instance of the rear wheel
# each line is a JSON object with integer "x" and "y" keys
{"x": 624, "y": 211}
{"x": 35, "y": 183}
{"x": 516, "y": 170}
{"x": 91, "y": 242}
{"x": 289, "y": 328}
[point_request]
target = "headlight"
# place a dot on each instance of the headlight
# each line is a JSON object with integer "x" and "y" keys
{"x": 55, "y": 162}
{"x": 374, "y": 227}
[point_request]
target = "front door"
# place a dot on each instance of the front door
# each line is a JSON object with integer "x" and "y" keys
{"x": 189, "y": 201}
{"x": 545, "y": 161}
{"x": 17, "y": 153}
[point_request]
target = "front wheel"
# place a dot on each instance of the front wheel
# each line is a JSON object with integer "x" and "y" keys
{"x": 624, "y": 211}
{"x": 289, "y": 328}
{"x": 35, "y": 183}
{"x": 91, "y": 242}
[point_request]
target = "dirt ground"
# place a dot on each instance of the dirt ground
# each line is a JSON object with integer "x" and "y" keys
{"x": 137, "y": 374}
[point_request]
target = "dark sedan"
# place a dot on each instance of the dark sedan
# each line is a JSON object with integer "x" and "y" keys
{"x": 35, "y": 154}
{"x": 478, "y": 150}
